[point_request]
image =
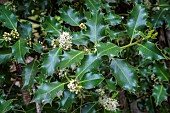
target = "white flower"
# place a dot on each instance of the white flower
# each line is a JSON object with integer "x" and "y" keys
{"x": 54, "y": 43}
{"x": 14, "y": 34}
{"x": 74, "y": 86}
{"x": 65, "y": 40}
{"x": 83, "y": 26}
{"x": 7, "y": 36}
{"x": 100, "y": 91}
{"x": 108, "y": 103}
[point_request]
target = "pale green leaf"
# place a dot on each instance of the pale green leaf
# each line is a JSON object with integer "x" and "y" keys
{"x": 112, "y": 19}
{"x": 51, "y": 61}
{"x": 70, "y": 16}
{"x": 5, "y": 106}
{"x": 47, "y": 92}
{"x": 51, "y": 25}
{"x": 19, "y": 49}
{"x": 108, "y": 49}
{"x": 124, "y": 74}
{"x": 71, "y": 57}
{"x": 91, "y": 80}
{"x": 8, "y": 18}
{"x": 149, "y": 51}
{"x": 93, "y": 5}
{"x": 28, "y": 74}
{"x": 159, "y": 93}
{"x": 137, "y": 20}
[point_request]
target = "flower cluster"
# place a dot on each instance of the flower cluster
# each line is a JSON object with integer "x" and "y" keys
{"x": 83, "y": 26}
{"x": 9, "y": 36}
{"x": 65, "y": 40}
{"x": 74, "y": 86}
{"x": 62, "y": 72}
{"x": 108, "y": 103}
{"x": 54, "y": 43}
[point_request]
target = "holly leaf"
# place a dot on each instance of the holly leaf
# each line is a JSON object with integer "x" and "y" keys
{"x": 25, "y": 30}
{"x": 37, "y": 47}
{"x": 112, "y": 19}
{"x": 70, "y": 16}
{"x": 19, "y": 49}
{"x": 93, "y": 5}
{"x": 108, "y": 49}
{"x": 91, "y": 80}
{"x": 149, "y": 51}
{"x": 5, "y": 55}
{"x": 137, "y": 20}
{"x": 8, "y": 18}
{"x": 90, "y": 62}
{"x": 28, "y": 74}
{"x": 51, "y": 25}
{"x": 67, "y": 100}
{"x": 51, "y": 61}
{"x": 96, "y": 27}
{"x": 47, "y": 92}
{"x": 159, "y": 93}
{"x": 124, "y": 74}
{"x": 89, "y": 108}
{"x": 72, "y": 57}
{"x": 161, "y": 71}
{"x": 80, "y": 39}
{"x": 5, "y": 106}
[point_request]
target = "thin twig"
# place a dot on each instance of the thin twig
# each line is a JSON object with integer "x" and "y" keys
{"x": 9, "y": 91}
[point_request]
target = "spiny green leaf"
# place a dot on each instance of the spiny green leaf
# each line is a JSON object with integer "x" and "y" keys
{"x": 158, "y": 18}
{"x": 8, "y": 18}
{"x": 96, "y": 31}
{"x": 161, "y": 71}
{"x": 111, "y": 85}
{"x": 25, "y": 30}
{"x": 51, "y": 61}
{"x": 51, "y": 25}
{"x": 108, "y": 49}
{"x": 38, "y": 47}
{"x": 19, "y": 49}
{"x": 112, "y": 19}
{"x": 91, "y": 80}
{"x": 5, "y": 106}
{"x": 137, "y": 20}
{"x": 67, "y": 100}
{"x": 124, "y": 74}
{"x": 89, "y": 108}
{"x": 90, "y": 62}
{"x": 5, "y": 55}
{"x": 80, "y": 39}
{"x": 149, "y": 51}
{"x": 159, "y": 93}
{"x": 93, "y": 5}
{"x": 47, "y": 92}
{"x": 70, "y": 16}
{"x": 72, "y": 57}
{"x": 28, "y": 74}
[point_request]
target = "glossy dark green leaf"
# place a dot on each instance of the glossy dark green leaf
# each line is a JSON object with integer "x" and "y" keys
{"x": 25, "y": 30}
{"x": 108, "y": 49}
{"x": 8, "y": 18}
{"x": 72, "y": 57}
{"x": 79, "y": 39}
{"x": 19, "y": 49}
{"x": 93, "y": 5}
{"x": 5, "y": 55}
{"x": 111, "y": 85}
{"x": 149, "y": 51}
{"x": 70, "y": 16}
{"x": 51, "y": 25}
{"x": 112, "y": 18}
{"x": 67, "y": 100}
{"x": 38, "y": 47}
{"x": 91, "y": 80}
{"x": 161, "y": 71}
{"x": 137, "y": 20}
{"x": 5, "y": 106}
{"x": 28, "y": 74}
{"x": 159, "y": 93}
{"x": 89, "y": 108}
{"x": 124, "y": 74}
{"x": 47, "y": 92}
{"x": 96, "y": 27}
{"x": 51, "y": 61}
{"x": 90, "y": 62}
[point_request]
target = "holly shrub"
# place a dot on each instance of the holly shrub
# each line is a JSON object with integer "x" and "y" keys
{"x": 84, "y": 56}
